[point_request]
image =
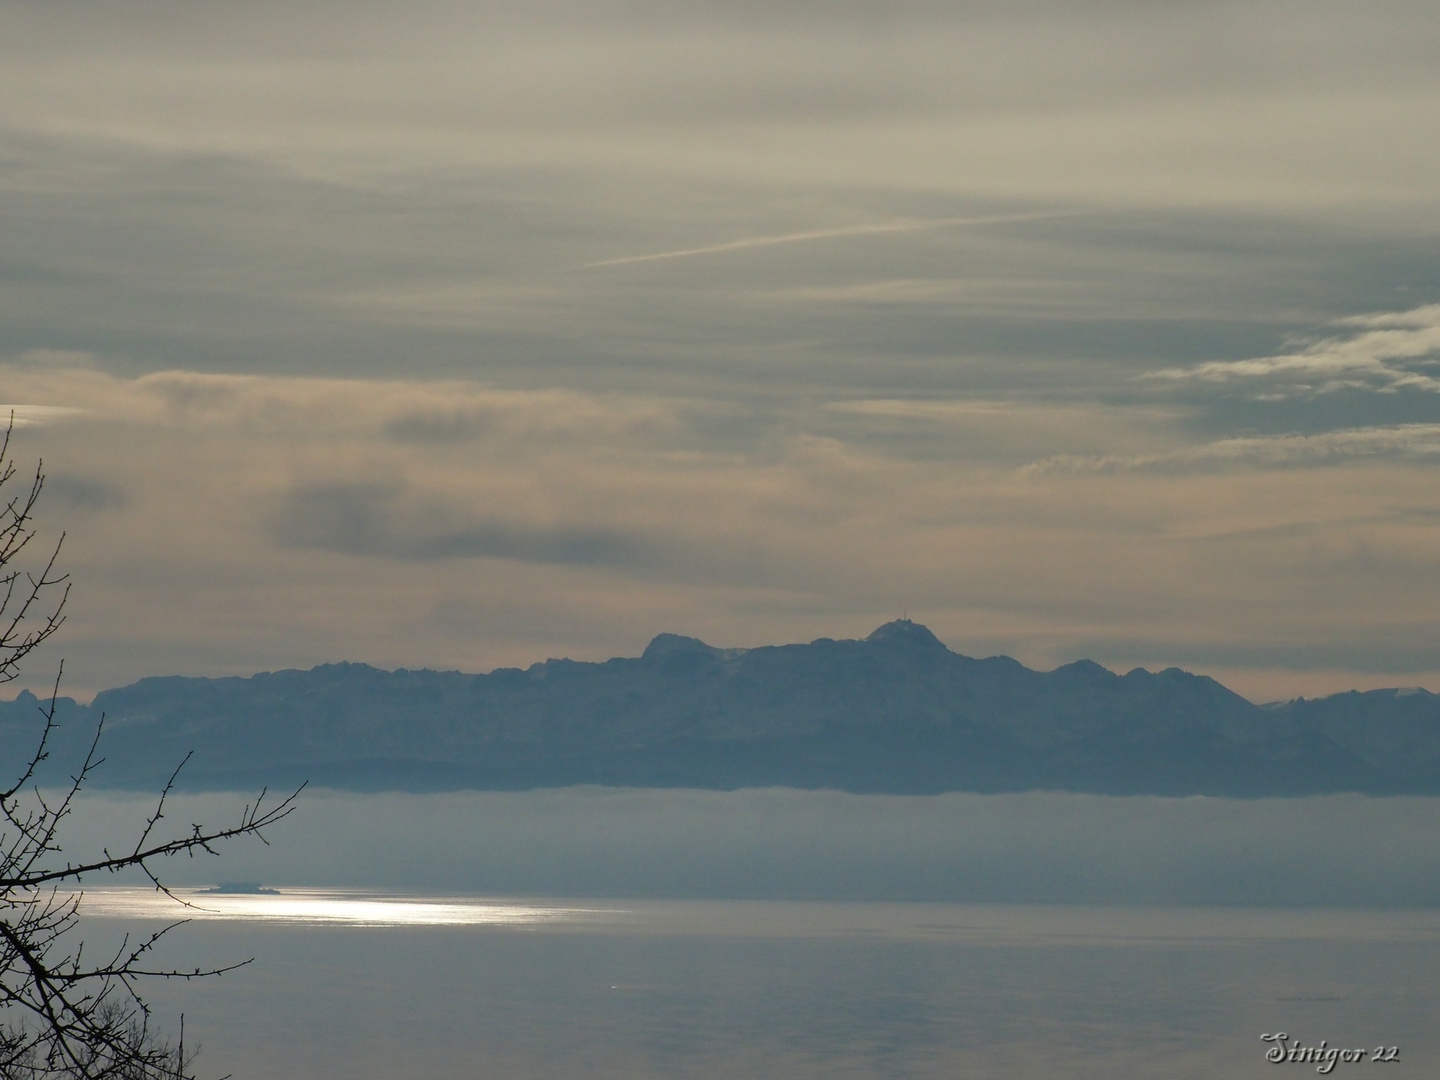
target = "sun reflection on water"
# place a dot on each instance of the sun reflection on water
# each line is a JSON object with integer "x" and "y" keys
{"x": 328, "y": 907}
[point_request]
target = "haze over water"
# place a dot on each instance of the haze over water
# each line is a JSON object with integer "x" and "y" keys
{"x": 454, "y": 967}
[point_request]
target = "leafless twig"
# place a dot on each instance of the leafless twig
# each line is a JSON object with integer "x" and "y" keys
{"x": 63, "y": 1014}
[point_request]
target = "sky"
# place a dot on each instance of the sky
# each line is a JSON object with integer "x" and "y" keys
{"x": 467, "y": 335}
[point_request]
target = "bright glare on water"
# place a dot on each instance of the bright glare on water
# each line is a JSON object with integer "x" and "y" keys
{"x": 328, "y": 907}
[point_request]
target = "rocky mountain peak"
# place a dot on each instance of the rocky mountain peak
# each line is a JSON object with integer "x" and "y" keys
{"x": 664, "y": 646}
{"x": 908, "y": 634}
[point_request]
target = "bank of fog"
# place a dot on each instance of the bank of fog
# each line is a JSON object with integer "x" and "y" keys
{"x": 782, "y": 843}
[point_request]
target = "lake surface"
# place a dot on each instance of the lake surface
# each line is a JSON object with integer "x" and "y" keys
{"x": 358, "y": 985}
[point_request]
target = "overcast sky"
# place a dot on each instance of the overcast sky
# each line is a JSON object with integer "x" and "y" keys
{"x": 466, "y": 335}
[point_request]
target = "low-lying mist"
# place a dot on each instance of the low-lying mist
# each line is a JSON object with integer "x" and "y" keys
{"x": 783, "y": 843}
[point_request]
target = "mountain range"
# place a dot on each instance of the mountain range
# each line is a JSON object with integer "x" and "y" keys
{"x": 896, "y": 712}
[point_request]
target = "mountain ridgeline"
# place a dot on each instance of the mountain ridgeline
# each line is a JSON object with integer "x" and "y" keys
{"x": 897, "y": 712}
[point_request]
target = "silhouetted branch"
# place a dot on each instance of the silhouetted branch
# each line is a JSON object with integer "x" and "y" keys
{"x": 62, "y": 1015}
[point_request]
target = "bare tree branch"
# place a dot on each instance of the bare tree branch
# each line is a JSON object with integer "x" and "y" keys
{"x": 63, "y": 1015}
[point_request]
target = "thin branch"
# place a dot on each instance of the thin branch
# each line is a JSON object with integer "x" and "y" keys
{"x": 64, "y": 1013}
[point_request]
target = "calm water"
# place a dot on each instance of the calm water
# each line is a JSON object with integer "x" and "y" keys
{"x": 360, "y": 985}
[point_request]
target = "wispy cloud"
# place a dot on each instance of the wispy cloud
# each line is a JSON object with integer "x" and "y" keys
{"x": 820, "y": 234}
{"x": 31, "y": 415}
{"x": 1418, "y": 442}
{"x": 390, "y": 522}
{"x": 1382, "y": 356}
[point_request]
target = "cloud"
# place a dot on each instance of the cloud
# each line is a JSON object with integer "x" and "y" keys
{"x": 1383, "y": 357}
{"x": 1414, "y": 443}
{"x": 442, "y": 425}
{"x": 820, "y": 234}
{"x": 1184, "y": 101}
{"x": 56, "y": 358}
{"x": 389, "y": 520}
{"x": 31, "y": 415}
{"x": 84, "y": 493}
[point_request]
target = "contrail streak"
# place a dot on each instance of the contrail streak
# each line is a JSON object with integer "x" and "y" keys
{"x": 820, "y": 234}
